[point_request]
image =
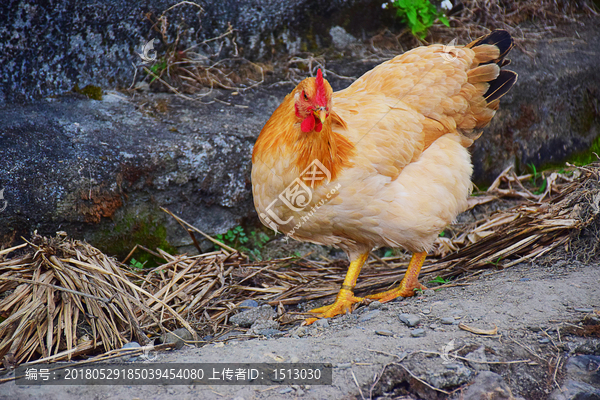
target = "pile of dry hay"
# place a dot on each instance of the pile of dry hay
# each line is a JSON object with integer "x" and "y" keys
{"x": 62, "y": 298}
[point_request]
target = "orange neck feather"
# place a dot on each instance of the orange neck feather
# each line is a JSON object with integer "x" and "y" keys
{"x": 282, "y": 137}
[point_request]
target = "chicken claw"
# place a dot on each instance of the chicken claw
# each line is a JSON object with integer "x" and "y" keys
{"x": 343, "y": 304}
{"x": 345, "y": 298}
{"x": 409, "y": 283}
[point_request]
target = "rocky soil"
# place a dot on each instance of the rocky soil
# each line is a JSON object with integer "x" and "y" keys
{"x": 536, "y": 308}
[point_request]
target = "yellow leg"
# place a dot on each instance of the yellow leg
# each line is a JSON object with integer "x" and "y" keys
{"x": 345, "y": 298}
{"x": 409, "y": 283}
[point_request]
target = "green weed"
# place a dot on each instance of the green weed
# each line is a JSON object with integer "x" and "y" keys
{"x": 252, "y": 244}
{"x": 440, "y": 280}
{"x": 136, "y": 264}
{"x": 419, "y": 15}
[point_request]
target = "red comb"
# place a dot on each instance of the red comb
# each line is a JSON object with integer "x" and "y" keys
{"x": 320, "y": 98}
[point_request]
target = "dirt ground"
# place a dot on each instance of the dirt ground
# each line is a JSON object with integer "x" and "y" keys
{"x": 529, "y": 303}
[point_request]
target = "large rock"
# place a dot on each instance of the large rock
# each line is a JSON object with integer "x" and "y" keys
{"x": 47, "y": 48}
{"x": 100, "y": 170}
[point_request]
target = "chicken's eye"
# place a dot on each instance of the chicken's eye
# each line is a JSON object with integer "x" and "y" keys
{"x": 305, "y": 96}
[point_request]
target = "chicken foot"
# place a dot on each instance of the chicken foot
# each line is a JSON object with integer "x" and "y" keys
{"x": 345, "y": 298}
{"x": 409, "y": 283}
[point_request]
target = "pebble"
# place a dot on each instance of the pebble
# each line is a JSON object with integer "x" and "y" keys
{"x": 426, "y": 311}
{"x": 264, "y": 325}
{"x": 130, "y": 345}
{"x": 477, "y": 359}
{"x": 487, "y": 385}
{"x": 584, "y": 310}
{"x": 410, "y": 319}
{"x": 247, "y": 318}
{"x": 429, "y": 292}
{"x": 269, "y": 332}
{"x": 178, "y": 336}
{"x": 248, "y": 304}
{"x": 286, "y": 390}
{"x": 544, "y": 340}
{"x": 370, "y": 315}
{"x": 447, "y": 320}
{"x": 452, "y": 366}
{"x": 323, "y": 323}
{"x": 375, "y": 305}
{"x": 419, "y": 332}
{"x": 384, "y": 333}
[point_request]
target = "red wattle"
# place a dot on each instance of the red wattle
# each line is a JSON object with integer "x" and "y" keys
{"x": 308, "y": 124}
{"x": 318, "y": 126}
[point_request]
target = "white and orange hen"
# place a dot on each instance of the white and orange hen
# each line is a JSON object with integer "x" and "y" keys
{"x": 382, "y": 162}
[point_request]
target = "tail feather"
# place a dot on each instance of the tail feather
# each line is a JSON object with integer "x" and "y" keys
{"x": 487, "y": 82}
{"x": 500, "y": 86}
{"x": 498, "y": 38}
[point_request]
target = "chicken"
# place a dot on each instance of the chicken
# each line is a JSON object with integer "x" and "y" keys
{"x": 383, "y": 162}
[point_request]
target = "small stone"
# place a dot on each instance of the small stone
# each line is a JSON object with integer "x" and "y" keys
{"x": 247, "y": 318}
{"x": 270, "y": 332}
{"x": 299, "y": 392}
{"x": 344, "y": 365}
{"x": 544, "y": 341}
{"x": 426, "y": 311}
{"x": 384, "y": 333}
{"x": 323, "y": 323}
{"x": 367, "y": 316}
{"x": 584, "y": 310}
{"x": 478, "y": 360}
{"x": 487, "y": 385}
{"x": 299, "y": 331}
{"x": 447, "y": 320}
{"x": 130, "y": 345}
{"x": 340, "y": 38}
{"x": 248, "y": 304}
{"x": 429, "y": 292}
{"x": 524, "y": 279}
{"x": 264, "y": 325}
{"x": 178, "y": 336}
{"x": 410, "y": 319}
{"x": 452, "y": 366}
{"x": 375, "y": 305}
{"x": 286, "y": 390}
{"x": 419, "y": 332}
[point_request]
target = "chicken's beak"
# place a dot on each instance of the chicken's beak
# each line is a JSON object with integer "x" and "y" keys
{"x": 321, "y": 114}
